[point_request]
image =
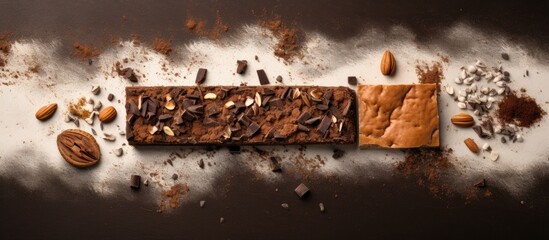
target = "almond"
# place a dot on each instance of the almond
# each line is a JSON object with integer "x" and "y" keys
{"x": 107, "y": 114}
{"x": 463, "y": 120}
{"x": 470, "y": 143}
{"x": 388, "y": 63}
{"x": 45, "y": 112}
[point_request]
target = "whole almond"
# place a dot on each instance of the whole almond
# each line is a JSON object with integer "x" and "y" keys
{"x": 463, "y": 120}
{"x": 388, "y": 63}
{"x": 107, "y": 114}
{"x": 45, "y": 112}
{"x": 470, "y": 143}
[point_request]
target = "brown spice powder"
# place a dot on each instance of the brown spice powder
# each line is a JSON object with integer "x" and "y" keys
{"x": 289, "y": 41}
{"x": 162, "y": 46}
{"x": 430, "y": 74}
{"x": 199, "y": 27}
{"x": 173, "y": 196}
{"x": 5, "y": 47}
{"x": 522, "y": 111}
{"x": 84, "y": 51}
{"x": 77, "y": 109}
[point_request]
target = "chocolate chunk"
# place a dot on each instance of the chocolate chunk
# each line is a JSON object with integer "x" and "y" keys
{"x": 302, "y": 127}
{"x": 352, "y": 80}
{"x": 130, "y": 118}
{"x": 234, "y": 149}
{"x": 198, "y": 109}
{"x": 313, "y": 120}
{"x": 303, "y": 117}
{"x": 263, "y": 80}
{"x": 324, "y": 125}
{"x": 336, "y": 112}
{"x": 276, "y": 102}
{"x": 503, "y": 140}
{"x": 301, "y": 190}
{"x": 201, "y": 163}
{"x": 193, "y": 96}
{"x": 245, "y": 120}
{"x": 144, "y": 108}
{"x": 175, "y": 176}
{"x": 133, "y": 109}
{"x": 187, "y": 115}
{"x": 252, "y": 129}
{"x": 505, "y": 56}
{"x": 110, "y": 97}
{"x": 201, "y": 76}
{"x": 265, "y": 100}
{"x": 285, "y": 93}
{"x": 478, "y": 130}
{"x": 188, "y": 102}
{"x": 481, "y": 183}
{"x": 278, "y": 136}
{"x": 170, "y": 162}
{"x": 275, "y": 164}
{"x": 346, "y": 108}
{"x": 268, "y": 92}
{"x": 128, "y": 74}
{"x": 209, "y": 122}
{"x": 321, "y": 107}
{"x": 135, "y": 182}
{"x": 328, "y": 96}
{"x": 212, "y": 111}
{"x": 279, "y": 79}
{"x": 338, "y": 153}
{"x": 241, "y": 66}
{"x": 165, "y": 117}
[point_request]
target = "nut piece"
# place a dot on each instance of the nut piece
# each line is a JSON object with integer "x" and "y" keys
{"x": 229, "y": 104}
{"x": 463, "y": 120}
{"x": 210, "y": 96}
{"x": 45, "y": 112}
{"x": 168, "y": 131}
{"x": 78, "y": 148}
{"x": 470, "y": 143}
{"x": 107, "y": 115}
{"x": 388, "y": 64}
{"x": 170, "y": 105}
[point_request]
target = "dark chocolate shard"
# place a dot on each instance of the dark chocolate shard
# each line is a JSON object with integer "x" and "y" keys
{"x": 324, "y": 125}
{"x": 129, "y": 74}
{"x": 253, "y": 128}
{"x": 201, "y": 76}
{"x": 328, "y": 96}
{"x": 188, "y": 102}
{"x": 278, "y": 136}
{"x": 279, "y": 78}
{"x": 133, "y": 109}
{"x": 165, "y": 117}
{"x": 198, "y": 109}
{"x": 313, "y": 120}
{"x": 193, "y": 96}
{"x": 285, "y": 92}
{"x": 336, "y": 112}
{"x": 478, "y": 130}
{"x": 201, "y": 163}
{"x": 268, "y": 92}
{"x": 212, "y": 111}
{"x": 241, "y": 66}
{"x": 144, "y": 108}
{"x": 263, "y": 80}
{"x": 135, "y": 182}
{"x": 352, "y": 80}
{"x": 266, "y": 100}
{"x": 178, "y": 120}
{"x": 276, "y": 102}
{"x": 275, "y": 164}
{"x": 209, "y": 122}
{"x": 301, "y": 190}
{"x": 303, "y": 117}
{"x": 338, "y": 153}
{"x": 302, "y": 127}
{"x": 346, "y": 108}
{"x": 151, "y": 106}
{"x": 245, "y": 120}
{"x": 187, "y": 115}
{"x": 481, "y": 183}
{"x": 321, "y": 107}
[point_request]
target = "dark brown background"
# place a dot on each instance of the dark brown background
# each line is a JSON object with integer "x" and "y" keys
{"x": 395, "y": 208}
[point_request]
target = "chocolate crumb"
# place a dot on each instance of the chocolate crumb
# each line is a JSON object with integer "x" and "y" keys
{"x": 301, "y": 190}
{"x": 175, "y": 176}
{"x": 353, "y": 81}
{"x": 201, "y": 76}
{"x": 135, "y": 182}
{"x": 263, "y": 80}
{"x": 275, "y": 164}
{"x": 241, "y": 66}
{"x": 201, "y": 163}
{"x": 505, "y": 56}
{"x": 110, "y": 97}
{"x": 338, "y": 153}
{"x": 279, "y": 79}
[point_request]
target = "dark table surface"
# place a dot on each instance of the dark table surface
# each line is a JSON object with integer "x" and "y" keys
{"x": 394, "y": 208}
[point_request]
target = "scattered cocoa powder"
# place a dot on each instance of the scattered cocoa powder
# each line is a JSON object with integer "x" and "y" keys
{"x": 162, "y": 46}
{"x": 84, "y": 51}
{"x": 78, "y": 109}
{"x": 522, "y": 111}
{"x": 289, "y": 38}
{"x": 5, "y": 47}
{"x": 172, "y": 197}
{"x": 136, "y": 40}
{"x": 429, "y": 74}
{"x": 199, "y": 27}
{"x": 428, "y": 165}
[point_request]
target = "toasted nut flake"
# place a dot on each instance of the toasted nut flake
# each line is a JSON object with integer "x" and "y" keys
{"x": 227, "y": 133}
{"x": 258, "y": 99}
{"x": 96, "y": 90}
{"x": 118, "y": 152}
{"x": 210, "y": 96}
{"x": 249, "y": 101}
{"x": 168, "y": 97}
{"x": 315, "y": 93}
{"x": 494, "y": 156}
{"x": 334, "y": 119}
{"x": 97, "y": 106}
{"x": 297, "y": 93}
{"x": 486, "y": 147}
{"x": 168, "y": 131}
{"x": 470, "y": 143}
{"x": 170, "y": 105}
{"x": 140, "y": 102}
{"x": 152, "y": 129}
{"x": 109, "y": 137}
{"x": 306, "y": 100}
{"x": 229, "y": 104}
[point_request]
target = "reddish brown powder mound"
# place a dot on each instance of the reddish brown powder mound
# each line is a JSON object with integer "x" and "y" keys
{"x": 289, "y": 40}
{"x": 428, "y": 165}
{"x": 77, "y": 109}
{"x": 522, "y": 111}
{"x": 429, "y": 74}
{"x": 84, "y": 51}
{"x": 162, "y": 46}
{"x": 5, "y": 47}
{"x": 173, "y": 196}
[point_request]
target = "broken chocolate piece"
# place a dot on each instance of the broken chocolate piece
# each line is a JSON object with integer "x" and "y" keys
{"x": 324, "y": 125}
{"x": 338, "y": 153}
{"x": 336, "y": 112}
{"x": 263, "y": 80}
{"x": 302, "y": 127}
{"x": 201, "y": 163}
{"x": 301, "y": 190}
{"x": 321, "y": 107}
{"x": 175, "y": 176}
{"x": 128, "y": 74}
{"x": 198, "y": 109}
{"x": 209, "y": 122}
{"x": 303, "y": 117}
{"x": 313, "y": 120}
{"x": 135, "y": 182}
{"x": 165, "y": 117}
{"x": 201, "y": 76}
{"x": 352, "y": 80}
{"x": 478, "y": 130}
{"x": 279, "y": 78}
{"x": 241, "y": 66}
{"x": 275, "y": 164}
{"x": 110, "y": 97}
{"x": 252, "y": 129}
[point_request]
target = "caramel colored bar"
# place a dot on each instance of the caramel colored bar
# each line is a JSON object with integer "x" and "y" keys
{"x": 398, "y": 116}
{"x": 228, "y": 115}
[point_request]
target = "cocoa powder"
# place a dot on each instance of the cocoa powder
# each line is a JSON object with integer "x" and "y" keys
{"x": 289, "y": 38}
{"x": 172, "y": 197}
{"x": 5, "y": 47}
{"x": 429, "y": 74}
{"x": 198, "y": 26}
{"x": 84, "y": 51}
{"x": 162, "y": 46}
{"x": 522, "y": 111}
